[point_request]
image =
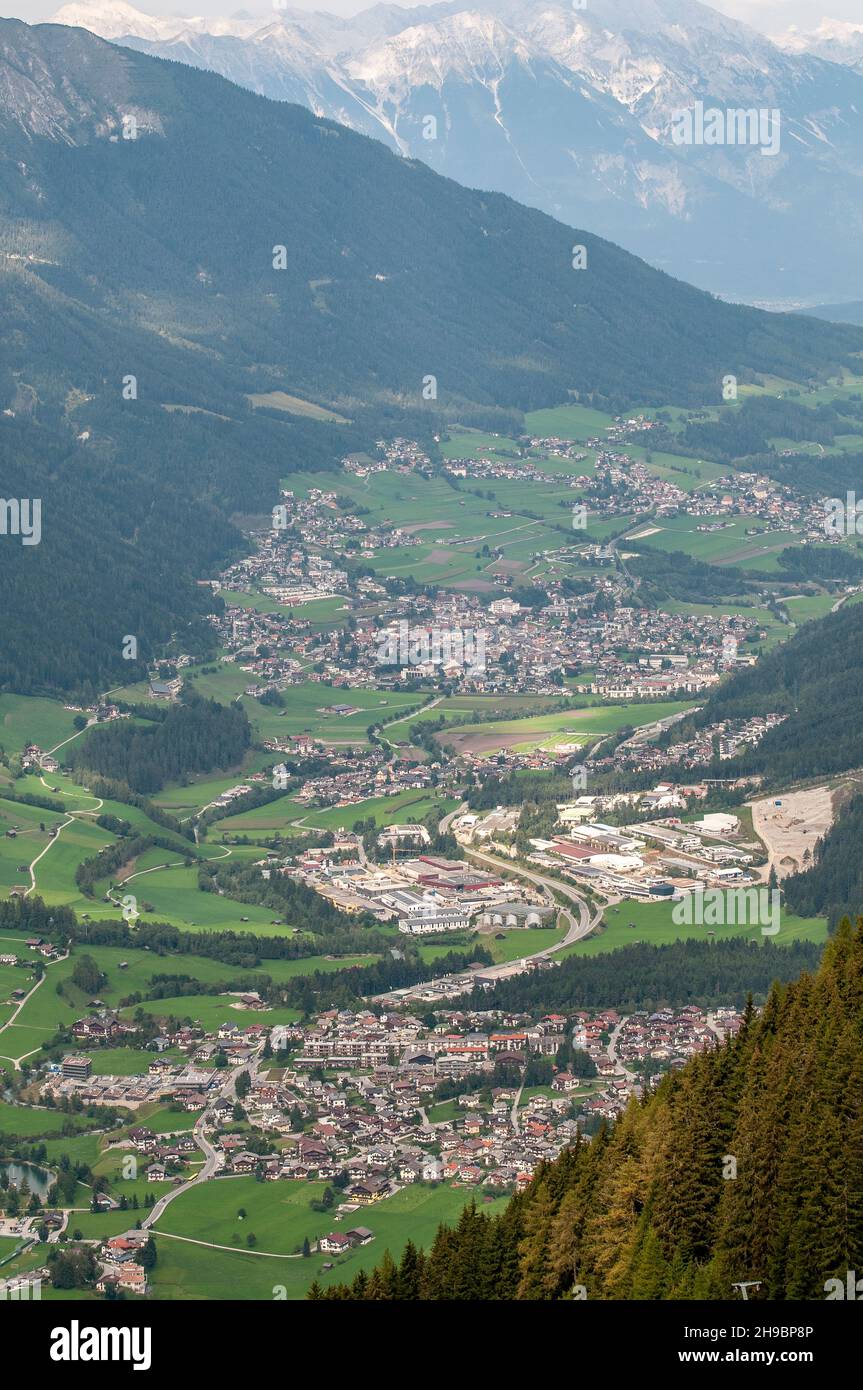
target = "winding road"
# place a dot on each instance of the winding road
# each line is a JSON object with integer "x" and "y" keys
{"x": 212, "y": 1157}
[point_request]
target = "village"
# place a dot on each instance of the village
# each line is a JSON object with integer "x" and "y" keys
{"x": 369, "y": 1102}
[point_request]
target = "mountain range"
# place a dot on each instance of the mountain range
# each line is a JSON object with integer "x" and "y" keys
{"x": 572, "y": 109}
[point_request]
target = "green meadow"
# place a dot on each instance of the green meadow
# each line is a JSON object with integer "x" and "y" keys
{"x": 729, "y": 545}
{"x": 576, "y": 725}
{"x": 387, "y": 810}
{"x": 28, "y": 719}
{"x": 651, "y": 923}
{"x": 279, "y": 1216}
{"x": 46, "y": 1010}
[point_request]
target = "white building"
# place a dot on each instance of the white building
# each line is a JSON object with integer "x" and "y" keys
{"x": 434, "y": 918}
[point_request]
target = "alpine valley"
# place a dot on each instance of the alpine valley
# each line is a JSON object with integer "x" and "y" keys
{"x": 431, "y": 654}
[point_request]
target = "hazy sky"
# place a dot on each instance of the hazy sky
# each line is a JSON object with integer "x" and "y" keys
{"x": 770, "y": 15}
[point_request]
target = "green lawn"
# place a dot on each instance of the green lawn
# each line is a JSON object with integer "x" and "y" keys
{"x": 446, "y": 1112}
{"x": 730, "y": 545}
{"x": 211, "y": 1011}
{"x": 805, "y": 608}
{"x": 30, "y": 1121}
{"x": 387, "y": 810}
{"x": 279, "y": 1216}
{"x": 323, "y": 614}
{"x": 568, "y": 422}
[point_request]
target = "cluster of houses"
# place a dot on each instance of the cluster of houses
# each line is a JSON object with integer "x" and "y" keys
{"x": 119, "y": 1264}
{"x": 35, "y": 759}
{"x": 672, "y": 1036}
{"x": 186, "y": 1076}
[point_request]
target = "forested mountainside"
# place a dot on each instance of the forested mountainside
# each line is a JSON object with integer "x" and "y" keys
{"x": 650, "y": 1208}
{"x": 193, "y": 736}
{"x": 391, "y": 271}
{"x": 834, "y": 879}
{"x": 706, "y": 973}
{"x": 815, "y": 679}
{"x": 569, "y": 106}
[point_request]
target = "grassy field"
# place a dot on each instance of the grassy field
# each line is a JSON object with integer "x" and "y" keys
{"x": 306, "y": 710}
{"x": 804, "y": 608}
{"x": 323, "y": 614}
{"x": 653, "y": 924}
{"x": 47, "y": 1010}
{"x": 31, "y": 1121}
{"x": 404, "y": 808}
{"x": 279, "y": 1215}
{"x": 521, "y": 520}
{"x": 295, "y": 405}
{"x": 211, "y": 1011}
{"x": 520, "y": 942}
{"x": 568, "y": 422}
{"x": 446, "y": 1112}
{"x": 465, "y": 708}
{"x": 575, "y": 725}
{"x": 28, "y": 719}
{"x": 728, "y": 546}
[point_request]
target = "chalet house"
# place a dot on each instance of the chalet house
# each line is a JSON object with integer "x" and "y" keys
{"x": 360, "y": 1235}
{"x": 245, "y": 1162}
{"x": 369, "y": 1190}
{"x": 334, "y": 1244}
{"x": 99, "y": 1030}
{"x": 143, "y": 1138}
{"x": 124, "y": 1276}
{"x": 156, "y": 1172}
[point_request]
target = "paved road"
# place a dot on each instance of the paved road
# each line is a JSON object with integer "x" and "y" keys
{"x": 577, "y": 929}
{"x": 27, "y": 997}
{"x": 513, "y": 1118}
{"x": 212, "y": 1157}
{"x": 234, "y": 1249}
{"x": 445, "y": 822}
{"x": 611, "y": 1050}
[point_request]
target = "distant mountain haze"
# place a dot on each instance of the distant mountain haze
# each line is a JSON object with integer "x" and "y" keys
{"x": 393, "y": 273}
{"x": 572, "y": 111}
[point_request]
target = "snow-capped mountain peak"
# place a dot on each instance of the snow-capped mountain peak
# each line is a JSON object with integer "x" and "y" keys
{"x": 465, "y": 45}
{"x": 837, "y": 40}
{"x": 115, "y": 19}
